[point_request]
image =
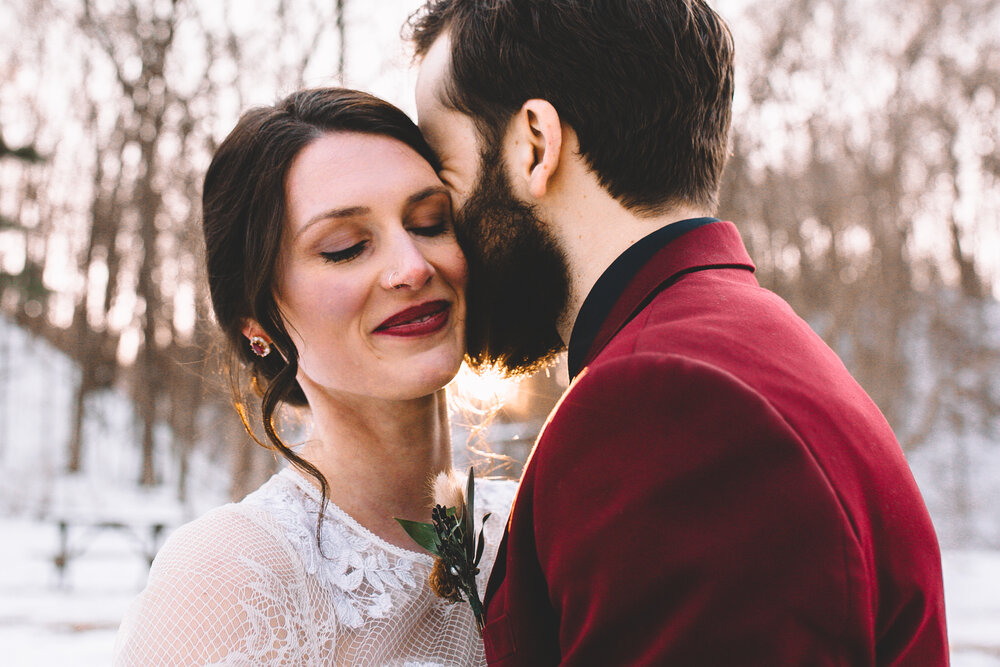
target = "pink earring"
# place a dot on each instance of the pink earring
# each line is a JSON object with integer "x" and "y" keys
{"x": 260, "y": 346}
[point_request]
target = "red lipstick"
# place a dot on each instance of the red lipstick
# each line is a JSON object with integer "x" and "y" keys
{"x": 420, "y": 320}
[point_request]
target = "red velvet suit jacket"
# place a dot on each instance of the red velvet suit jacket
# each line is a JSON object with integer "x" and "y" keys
{"x": 715, "y": 489}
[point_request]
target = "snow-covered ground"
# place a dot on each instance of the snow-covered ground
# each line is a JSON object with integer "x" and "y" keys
{"x": 43, "y": 623}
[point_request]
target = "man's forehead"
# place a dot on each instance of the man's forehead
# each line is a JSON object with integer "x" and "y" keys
{"x": 433, "y": 74}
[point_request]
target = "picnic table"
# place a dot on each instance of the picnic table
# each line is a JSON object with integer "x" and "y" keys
{"x": 82, "y": 510}
{"x": 76, "y": 534}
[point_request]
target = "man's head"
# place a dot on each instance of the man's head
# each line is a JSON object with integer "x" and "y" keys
{"x": 643, "y": 86}
{"x": 646, "y": 85}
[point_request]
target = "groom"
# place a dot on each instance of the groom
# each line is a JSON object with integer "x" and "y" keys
{"x": 713, "y": 488}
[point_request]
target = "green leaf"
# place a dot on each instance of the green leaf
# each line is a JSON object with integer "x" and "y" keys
{"x": 422, "y": 533}
{"x": 470, "y": 493}
{"x": 479, "y": 549}
{"x": 469, "y": 518}
{"x": 482, "y": 541}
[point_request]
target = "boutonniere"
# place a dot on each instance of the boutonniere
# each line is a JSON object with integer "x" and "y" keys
{"x": 451, "y": 537}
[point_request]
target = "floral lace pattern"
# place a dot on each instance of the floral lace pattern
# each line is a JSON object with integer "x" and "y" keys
{"x": 275, "y": 597}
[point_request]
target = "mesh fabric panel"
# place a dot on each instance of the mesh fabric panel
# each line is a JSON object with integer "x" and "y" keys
{"x": 246, "y": 585}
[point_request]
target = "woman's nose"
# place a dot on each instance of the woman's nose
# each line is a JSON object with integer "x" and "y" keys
{"x": 407, "y": 268}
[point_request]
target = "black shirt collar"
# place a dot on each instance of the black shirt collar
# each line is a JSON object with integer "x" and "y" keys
{"x": 609, "y": 287}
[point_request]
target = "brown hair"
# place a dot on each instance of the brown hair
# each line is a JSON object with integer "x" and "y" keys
{"x": 243, "y": 210}
{"x": 646, "y": 85}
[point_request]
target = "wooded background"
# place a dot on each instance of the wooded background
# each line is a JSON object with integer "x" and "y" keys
{"x": 864, "y": 177}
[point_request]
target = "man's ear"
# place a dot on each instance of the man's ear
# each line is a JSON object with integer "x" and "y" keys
{"x": 538, "y": 133}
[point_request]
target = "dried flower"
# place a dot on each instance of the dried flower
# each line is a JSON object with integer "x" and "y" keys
{"x": 443, "y": 582}
{"x": 446, "y": 490}
{"x": 451, "y": 537}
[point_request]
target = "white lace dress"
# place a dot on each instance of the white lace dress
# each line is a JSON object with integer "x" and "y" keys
{"x": 246, "y": 585}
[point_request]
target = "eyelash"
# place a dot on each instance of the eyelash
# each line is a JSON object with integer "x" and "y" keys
{"x": 348, "y": 254}
{"x": 432, "y": 231}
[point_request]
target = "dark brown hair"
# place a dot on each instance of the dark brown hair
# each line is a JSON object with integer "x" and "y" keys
{"x": 646, "y": 85}
{"x": 243, "y": 210}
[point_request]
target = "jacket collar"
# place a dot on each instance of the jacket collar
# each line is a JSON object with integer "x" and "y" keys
{"x": 699, "y": 247}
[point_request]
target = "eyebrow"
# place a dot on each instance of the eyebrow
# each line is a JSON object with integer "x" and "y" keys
{"x": 426, "y": 193}
{"x": 354, "y": 211}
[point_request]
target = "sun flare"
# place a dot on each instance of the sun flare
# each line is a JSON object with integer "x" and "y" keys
{"x": 484, "y": 391}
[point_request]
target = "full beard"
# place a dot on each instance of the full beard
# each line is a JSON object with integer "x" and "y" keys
{"x": 518, "y": 277}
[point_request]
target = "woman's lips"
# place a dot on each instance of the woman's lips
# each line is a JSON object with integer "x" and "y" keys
{"x": 421, "y": 320}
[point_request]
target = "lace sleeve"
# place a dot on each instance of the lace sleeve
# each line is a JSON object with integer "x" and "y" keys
{"x": 222, "y": 591}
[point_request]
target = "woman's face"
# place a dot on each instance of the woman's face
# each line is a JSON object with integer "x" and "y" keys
{"x": 370, "y": 280}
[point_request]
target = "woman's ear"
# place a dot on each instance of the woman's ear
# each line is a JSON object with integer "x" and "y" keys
{"x": 536, "y": 134}
{"x": 252, "y": 329}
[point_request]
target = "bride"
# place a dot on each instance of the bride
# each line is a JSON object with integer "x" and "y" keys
{"x": 336, "y": 278}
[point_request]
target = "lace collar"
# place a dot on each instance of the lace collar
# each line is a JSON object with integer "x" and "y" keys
{"x": 334, "y": 512}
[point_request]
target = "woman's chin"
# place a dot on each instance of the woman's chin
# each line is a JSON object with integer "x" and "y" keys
{"x": 429, "y": 380}
{"x": 442, "y": 379}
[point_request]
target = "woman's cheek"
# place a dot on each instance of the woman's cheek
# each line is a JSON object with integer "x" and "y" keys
{"x": 324, "y": 303}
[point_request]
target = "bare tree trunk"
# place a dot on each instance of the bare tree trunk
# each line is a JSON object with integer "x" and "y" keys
{"x": 86, "y": 345}
{"x": 971, "y": 284}
{"x": 74, "y": 460}
{"x": 185, "y": 392}
{"x": 342, "y": 36}
{"x": 149, "y": 380}
{"x": 147, "y": 94}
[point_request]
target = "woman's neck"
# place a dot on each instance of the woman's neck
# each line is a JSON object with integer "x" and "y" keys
{"x": 378, "y": 456}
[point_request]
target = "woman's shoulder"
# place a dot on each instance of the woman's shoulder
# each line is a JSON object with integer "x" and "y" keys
{"x": 229, "y": 539}
{"x": 215, "y": 588}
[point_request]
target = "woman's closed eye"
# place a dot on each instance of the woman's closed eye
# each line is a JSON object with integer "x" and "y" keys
{"x": 433, "y": 230}
{"x": 336, "y": 256}
{"x": 426, "y": 224}
{"x": 431, "y": 225}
